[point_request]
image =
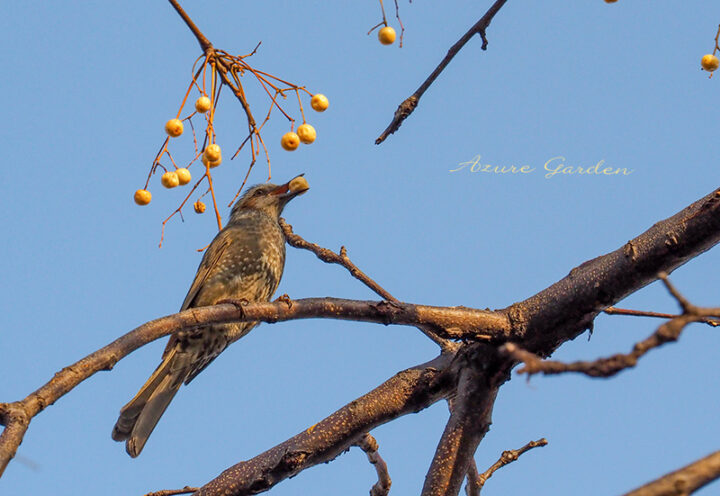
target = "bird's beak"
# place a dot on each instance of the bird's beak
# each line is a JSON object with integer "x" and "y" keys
{"x": 295, "y": 187}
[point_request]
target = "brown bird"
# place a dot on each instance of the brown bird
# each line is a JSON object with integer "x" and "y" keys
{"x": 244, "y": 261}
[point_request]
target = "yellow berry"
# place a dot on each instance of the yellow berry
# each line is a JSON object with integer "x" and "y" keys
{"x": 290, "y": 141}
{"x": 174, "y": 128}
{"x": 212, "y": 164}
{"x": 306, "y": 133}
{"x": 710, "y": 62}
{"x": 199, "y": 207}
{"x": 202, "y": 104}
{"x": 170, "y": 179}
{"x": 386, "y": 35}
{"x": 299, "y": 184}
{"x": 212, "y": 153}
{"x": 183, "y": 175}
{"x": 142, "y": 197}
{"x": 319, "y": 102}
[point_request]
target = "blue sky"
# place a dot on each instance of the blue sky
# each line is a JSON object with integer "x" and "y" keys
{"x": 88, "y": 87}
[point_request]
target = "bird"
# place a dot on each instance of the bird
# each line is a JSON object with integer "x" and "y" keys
{"x": 245, "y": 261}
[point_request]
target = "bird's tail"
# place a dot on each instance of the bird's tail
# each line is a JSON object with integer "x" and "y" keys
{"x": 140, "y": 416}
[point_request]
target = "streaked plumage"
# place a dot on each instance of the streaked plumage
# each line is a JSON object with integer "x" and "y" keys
{"x": 244, "y": 261}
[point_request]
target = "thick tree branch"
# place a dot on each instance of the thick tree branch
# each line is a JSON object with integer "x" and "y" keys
{"x": 472, "y": 488}
{"x": 684, "y": 481}
{"x": 568, "y": 307}
{"x": 608, "y": 367}
{"x": 602, "y": 367}
{"x": 407, "y": 392}
{"x": 482, "y": 373}
{"x": 16, "y": 416}
{"x": 406, "y": 108}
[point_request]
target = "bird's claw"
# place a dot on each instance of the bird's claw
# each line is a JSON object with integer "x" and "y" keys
{"x": 238, "y": 302}
{"x": 286, "y": 299}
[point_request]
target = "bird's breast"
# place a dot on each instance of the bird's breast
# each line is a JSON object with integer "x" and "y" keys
{"x": 250, "y": 267}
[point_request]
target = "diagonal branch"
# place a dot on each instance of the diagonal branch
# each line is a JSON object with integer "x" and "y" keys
{"x": 684, "y": 481}
{"x": 205, "y": 44}
{"x": 567, "y": 308}
{"x": 406, "y": 108}
{"x": 173, "y": 492}
{"x": 409, "y": 391}
{"x": 602, "y": 367}
{"x": 329, "y": 256}
{"x": 608, "y": 367}
{"x": 342, "y": 258}
{"x": 506, "y": 458}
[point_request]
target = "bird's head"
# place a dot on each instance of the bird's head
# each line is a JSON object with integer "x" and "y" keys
{"x": 269, "y": 198}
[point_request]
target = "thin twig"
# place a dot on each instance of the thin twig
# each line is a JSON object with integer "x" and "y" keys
{"x": 173, "y": 492}
{"x": 329, "y": 256}
{"x": 645, "y": 313}
{"x": 506, "y": 458}
{"x": 402, "y": 28}
{"x": 406, "y": 108}
{"x": 369, "y": 445}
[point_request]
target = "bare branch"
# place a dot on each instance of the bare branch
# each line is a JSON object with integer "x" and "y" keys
{"x": 342, "y": 258}
{"x": 684, "y": 481}
{"x": 329, "y": 256}
{"x": 568, "y": 307}
{"x": 369, "y": 445}
{"x": 602, "y": 367}
{"x": 173, "y": 492}
{"x": 407, "y": 392}
{"x": 607, "y": 367}
{"x": 471, "y": 487}
{"x": 481, "y": 374}
{"x": 660, "y": 315}
{"x": 205, "y": 44}
{"x": 406, "y": 108}
{"x": 16, "y": 421}
{"x": 506, "y": 458}
{"x": 16, "y": 416}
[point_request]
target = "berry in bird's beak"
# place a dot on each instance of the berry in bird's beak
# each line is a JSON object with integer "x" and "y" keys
{"x": 292, "y": 188}
{"x": 298, "y": 185}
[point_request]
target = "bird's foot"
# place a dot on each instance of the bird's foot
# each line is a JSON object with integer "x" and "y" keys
{"x": 238, "y": 302}
{"x": 286, "y": 299}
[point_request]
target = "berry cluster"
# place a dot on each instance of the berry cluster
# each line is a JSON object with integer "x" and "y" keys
{"x": 305, "y": 132}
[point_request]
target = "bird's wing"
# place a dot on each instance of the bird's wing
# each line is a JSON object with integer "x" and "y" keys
{"x": 213, "y": 255}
